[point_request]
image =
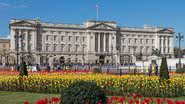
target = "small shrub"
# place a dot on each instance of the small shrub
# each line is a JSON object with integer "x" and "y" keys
{"x": 164, "y": 74}
{"x": 83, "y": 92}
{"x": 180, "y": 70}
{"x": 97, "y": 70}
{"x": 23, "y": 69}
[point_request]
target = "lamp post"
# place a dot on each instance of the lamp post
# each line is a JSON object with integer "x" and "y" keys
{"x": 17, "y": 36}
{"x": 112, "y": 54}
{"x": 134, "y": 49}
{"x": 179, "y": 37}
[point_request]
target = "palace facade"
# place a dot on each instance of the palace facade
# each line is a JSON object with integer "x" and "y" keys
{"x": 5, "y": 58}
{"x": 91, "y": 42}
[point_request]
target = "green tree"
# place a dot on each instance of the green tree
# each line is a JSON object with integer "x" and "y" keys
{"x": 177, "y": 51}
{"x": 164, "y": 74}
{"x": 82, "y": 92}
{"x": 23, "y": 69}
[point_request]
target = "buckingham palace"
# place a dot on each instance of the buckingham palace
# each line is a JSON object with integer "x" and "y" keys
{"x": 91, "y": 42}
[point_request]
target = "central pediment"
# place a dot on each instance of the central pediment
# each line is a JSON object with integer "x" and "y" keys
{"x": 101, "y": 26}
{"x": 166, "y": 30}
{"x": 23, "y": 23}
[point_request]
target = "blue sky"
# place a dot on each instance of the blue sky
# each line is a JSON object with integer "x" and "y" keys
{"x": 131, "y": 13}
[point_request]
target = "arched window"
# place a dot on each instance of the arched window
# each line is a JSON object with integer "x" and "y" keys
{"x": 83, "y": 47}
{"x": 123, "y": 48}
{"x": 69, "y": 47}
{"x": 76, "y": 47}
{"x": 62, "y": 47}
{"x": 54, "y": 47}
{"x": 47, "y": 47}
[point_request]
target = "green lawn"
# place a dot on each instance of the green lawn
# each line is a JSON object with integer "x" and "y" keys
{"x": 7, "y": 97}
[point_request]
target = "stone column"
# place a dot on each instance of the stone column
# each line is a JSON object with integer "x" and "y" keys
{"x": 35, "y": 39}
{"x": 52, "y": 39}
{"x": 171, "y": 45}
{"x": 43, "y": 42}
{"x": 20, "y": 45}
{"x": 98, "y": 42}
{"x": 110, "y": 42}
{"x": 166, "y": 44}
{"x": 26, "y": 37}
{"x": 104, "y": 36}
{"x": 162, "y": 44}
{"x": 12, "y": 39}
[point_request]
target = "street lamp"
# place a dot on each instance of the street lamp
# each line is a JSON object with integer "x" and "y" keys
{"x": 179, "y": 37}
{"x": 134, "y": 49}
{"x": 112, "y": 53}
{"x": 17, "y": 36}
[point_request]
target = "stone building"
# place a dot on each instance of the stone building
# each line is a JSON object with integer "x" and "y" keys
{"x": 5, "y": 57}
{"x": 91, "y": 42}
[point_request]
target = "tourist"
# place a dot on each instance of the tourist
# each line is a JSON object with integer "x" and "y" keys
{"x": 156, "y": 70}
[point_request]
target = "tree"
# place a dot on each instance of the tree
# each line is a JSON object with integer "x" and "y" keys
{"x": 83, "y": 92}
{"x": 177, "y": 51}
{"x": 164, "y": 74}
{"x": 23, "y": 69}
{"x": 156, "y": 52}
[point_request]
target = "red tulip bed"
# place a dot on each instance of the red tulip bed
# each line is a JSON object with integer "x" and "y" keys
{"x": 127, "y": 99}
{"x": 55, "y": 81}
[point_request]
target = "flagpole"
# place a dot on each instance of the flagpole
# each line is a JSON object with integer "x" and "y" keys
{"x": 97, "y": 11}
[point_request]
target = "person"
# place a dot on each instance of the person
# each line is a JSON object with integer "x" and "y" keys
{"x": 156, "y": 70}
{"x": 37, "y": 67}
{"x": 150, "y": 70}
{"x": 58, "y": 67}
{"x": 48, "y": 67}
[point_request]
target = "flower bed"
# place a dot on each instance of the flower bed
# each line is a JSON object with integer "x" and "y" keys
{"x": 128, "y": 99}
{"x": 54, "y": 82}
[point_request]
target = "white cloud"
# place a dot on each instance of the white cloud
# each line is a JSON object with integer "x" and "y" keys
{"x": 11, "y": 5}
{"x": 4, "y": 5}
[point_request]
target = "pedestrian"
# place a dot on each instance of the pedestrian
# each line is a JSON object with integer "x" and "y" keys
{"x": 37, "y": 67}
{"x": 48, "y": 68}
{"x": 156, "y": 70}
{"x": 150, "y": 70}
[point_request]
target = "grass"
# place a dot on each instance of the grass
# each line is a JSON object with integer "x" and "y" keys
{"x": 7, "y": 97}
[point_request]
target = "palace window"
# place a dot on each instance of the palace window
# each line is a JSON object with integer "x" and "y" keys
{"x": 123, "y": 40}
{"x": 129, "y": 40}
{"x": 47, "y": 37}
{"x": 147, "y": 40}
{"x": 83, "y": 48}
{"x": 29, "y": 37}
{"x": 70, "y": 37}
{"x": 135, "y": 40}
{"x": 128, "y": 49}
{"x": 141, "y": 41}
{"x": 69, "y": 60}
{"x": 83, "y": 39}
{"x": 29, "y": 47}
{"x": 123, "y": 48}
{"x": 76, "y": 47}
{"x": 62, "y": 38}
{"x": 77, "y": 38}
{"x": 147, "y": 49}
{"x": 76, "y": 60}
{"x": 69, "y": 47}
{"x": 55, "y": 37}
{"x": 62, "y": 47}
{"x": 47, "y": 47}
{"x": 152, "y": 41}
{"x": 55, "y": 47}
{"x": 141, "y": 49}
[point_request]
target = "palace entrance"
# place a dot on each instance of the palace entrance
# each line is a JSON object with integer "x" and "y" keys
{"x": 62, "y": 60}
{"x": 125, "y": 59}
{"x": 102, "y": 59}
